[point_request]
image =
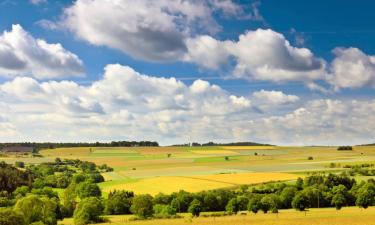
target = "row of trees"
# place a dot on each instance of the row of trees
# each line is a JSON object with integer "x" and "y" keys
{"x": 51, "y": 145}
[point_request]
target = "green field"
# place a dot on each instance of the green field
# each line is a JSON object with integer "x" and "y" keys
{"x": 175, "y": 168}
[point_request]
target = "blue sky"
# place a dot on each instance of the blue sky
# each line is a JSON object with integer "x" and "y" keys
{"x": 293, "y": 55}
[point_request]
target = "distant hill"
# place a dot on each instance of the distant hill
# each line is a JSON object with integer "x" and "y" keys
{"x": 246, "y": 143}
{"x": 373, "y": 144}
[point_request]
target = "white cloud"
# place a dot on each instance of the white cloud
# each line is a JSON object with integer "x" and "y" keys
{"x": 275, "y": 97}
{"x": 38, "y": 2}
{"x": 351, "y": 68}
{"x": 259, "y": 55}
{"x": 23, "y": 55}
{"x": 144, "y": 29}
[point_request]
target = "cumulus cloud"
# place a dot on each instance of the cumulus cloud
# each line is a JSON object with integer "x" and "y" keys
{"x": 144, "y": 29}
{"x": 351, "y": 68}
{"x": 23, "y": 55}
{"x": 125, "y": 104}
{"x": 259, "y": 55}
{"x": 275, "y": 97}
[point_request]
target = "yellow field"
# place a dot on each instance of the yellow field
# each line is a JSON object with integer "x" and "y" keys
{"x": 346, "y": 216}
{"x": 248, "y": 147}
{"x": 169, "y": 184}
{"x": 214, "y": 152}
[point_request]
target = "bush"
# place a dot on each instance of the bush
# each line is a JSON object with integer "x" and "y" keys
{"x": 88, "y": 211}
{"x": 164, "y": 211}
{"x": 11, "y": 217}
{"x": 345, "y": 148}
{"x": 142, "y": 206}
{"x": 310, "y": 158}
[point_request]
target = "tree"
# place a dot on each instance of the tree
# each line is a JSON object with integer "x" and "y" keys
{"x": 365, "y": 195}
{"x": 232, "y": 206}
{"x": 300, "y": 201}
{"x": 119, "y": 202}
{"x": 254, "y": 204}
{"x": 37, "y": 209}
{"x": 269, "y": 202}
{"x": 299, "y": 183}
{"x": 11, "y": 217}
{"x": 87, "y": 189}
{"x": 287, "y": 195}
{"x": 339, "y": 196}
{"x": 142, "y": 206}
{"x": 195, "y": 207}
{"x": 88, "y": 211}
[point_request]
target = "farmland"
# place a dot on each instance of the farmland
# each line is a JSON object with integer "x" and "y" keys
{"x": 169, "y": 169}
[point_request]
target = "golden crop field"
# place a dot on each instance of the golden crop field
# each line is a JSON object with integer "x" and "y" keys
{"x": 169, "y": 184}
{"x": 327, "y": 216}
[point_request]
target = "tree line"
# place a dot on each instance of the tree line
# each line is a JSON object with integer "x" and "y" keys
{"x": 52, "y": 145}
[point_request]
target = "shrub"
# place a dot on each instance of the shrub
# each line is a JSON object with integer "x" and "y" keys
{"x": 164, "y": 211}
{"x": 11, "y": 217}
{"x": 119, "y": 202}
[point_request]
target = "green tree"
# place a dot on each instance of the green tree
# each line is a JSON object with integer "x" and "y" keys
{"x": 37, "y": 209}
{"x": 300, "y": 201}
{"x": 142, "y": 206}
{"x": 269, "y": 202}
{"x": 88, "y": 211}
{"x": 195, "y": 207}
{"x": 287, "y": 195}
{"x": 87, "y": 189}
{"x": 366, "y": 195}
{"x": 254, "y": 204}
{"x": 339, "y": 196}
{"x": 232, "y": 206}
{"x": 119, "y": 202}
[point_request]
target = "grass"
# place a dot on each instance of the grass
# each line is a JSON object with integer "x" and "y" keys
{"x": 327, "y": 216}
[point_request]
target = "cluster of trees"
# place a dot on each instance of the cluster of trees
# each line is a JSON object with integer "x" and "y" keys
{"x": 345, "y": 148}
{"x": 27, "y": 196}
{"x": 52, "y": 145}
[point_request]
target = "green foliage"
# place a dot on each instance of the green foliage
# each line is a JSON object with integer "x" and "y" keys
{"x": 19, "y": 164}
{"x": 232, "y": 206}
{"x": 119, "y": 202}
{"x": 254, "y": 204}
{"x": 195, "y": 207}
{"x": 287, "y": 195}
{"x": 11, "y": 217}
{"x": 300, "y": 201}
{"x": 87, "y": 189}
{"x": 366, "y": 196}
{"x": 37, "y": 209}
{"x": 11, "y": 177}
{"x": 164, "y": 211}
{"x": 142, "y": 206}
{"x": 88, "y": 211}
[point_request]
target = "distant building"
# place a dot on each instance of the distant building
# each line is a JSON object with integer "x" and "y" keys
{"x": 17, "y": 149}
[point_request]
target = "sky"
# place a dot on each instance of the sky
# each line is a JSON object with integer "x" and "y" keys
{"x": 284, "y": 72}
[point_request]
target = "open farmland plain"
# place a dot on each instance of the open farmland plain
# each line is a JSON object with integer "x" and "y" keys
{"x": 168, "y": 169}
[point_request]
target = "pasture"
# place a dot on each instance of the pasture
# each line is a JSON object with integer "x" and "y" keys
{"x": 346, "y": 216}
{"x": 168, "y": 169}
